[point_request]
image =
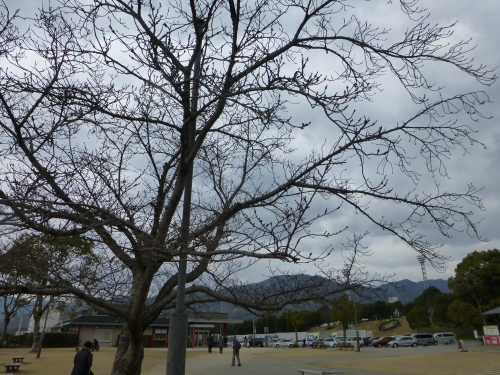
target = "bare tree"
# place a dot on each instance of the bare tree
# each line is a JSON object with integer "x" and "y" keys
{"x": 40, "y": 262}
{"x": 109, "y": 115}
{"x": 12, "y": 305}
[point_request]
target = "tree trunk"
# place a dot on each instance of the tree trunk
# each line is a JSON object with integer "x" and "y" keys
{"x": 3, "y": 335}
{"x": 129, "y": 354}
{"x": 37, "y": 317}
{"x": 6, "y": 320}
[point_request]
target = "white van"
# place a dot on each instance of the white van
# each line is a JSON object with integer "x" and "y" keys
{"x": 444, "y": 338}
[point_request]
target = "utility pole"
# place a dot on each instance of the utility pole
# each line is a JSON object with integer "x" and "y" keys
{"x": 176, "y": 355}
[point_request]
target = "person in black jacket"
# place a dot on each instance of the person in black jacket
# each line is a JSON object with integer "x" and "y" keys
{"x": 236, "y": 351}
{"x": 210, "y": 341}
{"x": 83, "y": 360}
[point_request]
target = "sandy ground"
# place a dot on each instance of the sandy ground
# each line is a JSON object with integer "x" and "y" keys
{"x": 270, "y": 361}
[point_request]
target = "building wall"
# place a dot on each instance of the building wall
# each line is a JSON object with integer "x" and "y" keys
{"x": 106, "y": 335}
{"x": 52, "y": 320}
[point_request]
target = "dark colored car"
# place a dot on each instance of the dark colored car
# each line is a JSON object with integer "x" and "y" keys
{"x": 367, "y": 340}
{"x": 383, "y": 341}
{"x": 259, "y": 341}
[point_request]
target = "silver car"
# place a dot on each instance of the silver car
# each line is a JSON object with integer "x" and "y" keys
{"x": 330, "y": 342}
{"x": 403, "y": 341}
{"x": 285, "y": 343}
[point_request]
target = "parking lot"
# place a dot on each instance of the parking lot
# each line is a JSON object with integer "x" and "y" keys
{"x": 442, "y": 359}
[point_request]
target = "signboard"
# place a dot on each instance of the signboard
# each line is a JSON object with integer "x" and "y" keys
{"x": 266, "y": 329}
{"x": 490, "y": 340}
{"x": 491, "y": 336}
{"x": 461, "y": 346}
{"x": 254, "y": 329}
{"x": 490, "y": 330}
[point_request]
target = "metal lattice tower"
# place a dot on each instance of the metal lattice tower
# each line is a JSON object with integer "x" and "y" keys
{"x": 421, "y": 260}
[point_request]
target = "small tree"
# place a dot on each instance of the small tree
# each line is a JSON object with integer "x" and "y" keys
{"x": 325, "y": 315}
{"x": 440, "y": 316}
{"x": 12, "y": 304}
{"x": 418, "y": 317}
{"x": 477, "y": 278}
{"x": 464, "y": 314}
{"x": 37, "y": 259}
{"x": 344, "y": 310}
{"x": 296, "y": 319}
{"x": 427, "y": 298}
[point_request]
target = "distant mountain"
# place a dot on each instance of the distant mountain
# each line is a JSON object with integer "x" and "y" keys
{"x": 412, "y": 289}
{"x": 406, "y": 291}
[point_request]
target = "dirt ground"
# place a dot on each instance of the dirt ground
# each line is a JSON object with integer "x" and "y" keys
{"x": 476, "y": 361}
{"x": 451, "y": 363}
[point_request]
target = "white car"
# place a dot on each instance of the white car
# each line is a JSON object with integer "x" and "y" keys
{"x": 354, "y": 341}
{"x": 330, "y": 342}
{"x": 284, "y": 343}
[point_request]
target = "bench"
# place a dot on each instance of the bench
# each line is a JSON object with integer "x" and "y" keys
{"x": 303, "y": 372}
{"x": 318, "y": 344}
{"x": 12, "y": 366}
{"x": 346, "y": 345}
{"x": 17, "y": 359}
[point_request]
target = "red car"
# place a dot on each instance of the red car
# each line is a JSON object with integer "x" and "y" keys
{"x": 383, "y": 341}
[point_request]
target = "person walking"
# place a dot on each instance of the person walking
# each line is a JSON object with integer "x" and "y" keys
{"x": 245, "y": 339}
{"x": 83, "y": 360}
{"x": 210, "y": 341}
{"x": 236, "y": 350}
{"x": 303, "y": 343}
{"x": 221, "y": 344}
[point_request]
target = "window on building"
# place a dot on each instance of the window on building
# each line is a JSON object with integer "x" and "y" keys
{"x": 103, "y": 335}
{"x": 160, "y": 334}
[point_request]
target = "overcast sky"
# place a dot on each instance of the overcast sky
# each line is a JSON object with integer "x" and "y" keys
{"x": 481, "y": 166}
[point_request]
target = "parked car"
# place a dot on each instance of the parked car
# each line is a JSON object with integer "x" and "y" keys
{"x": 444, "y": 338}
{"x": 367, "y": 340}
{"x": 284, "y": 343}
{"x": 423, "y": 338}
{"x": 372, "y": 339}
{"x": 353, "y": 340}
{"x": 258, "y": 341}
{"x": 383, "y": 341}
{"x": 330, "y": 342}
{"x": 403, "y": 341}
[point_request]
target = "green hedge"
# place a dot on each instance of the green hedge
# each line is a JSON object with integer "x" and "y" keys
{"x": 51, "y": 340}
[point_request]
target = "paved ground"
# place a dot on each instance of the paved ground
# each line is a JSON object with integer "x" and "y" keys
{"x": 445, "y": 359}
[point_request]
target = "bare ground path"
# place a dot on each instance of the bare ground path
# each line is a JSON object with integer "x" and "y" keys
{"x": 271, "y": 361}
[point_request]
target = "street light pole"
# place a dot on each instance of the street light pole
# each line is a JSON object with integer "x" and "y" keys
{"x": 176, "y": 355}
